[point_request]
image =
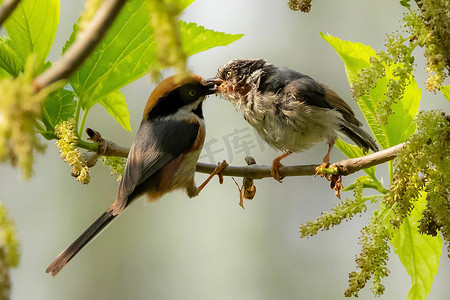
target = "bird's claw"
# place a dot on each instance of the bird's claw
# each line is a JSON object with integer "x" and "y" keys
{"x": 218, "y": 170}
{"x": 275, "y": 170}
{"x": 276, "y": 165}
{"x": 319, "y": 170}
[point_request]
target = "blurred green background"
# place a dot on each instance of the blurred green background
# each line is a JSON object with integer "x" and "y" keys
{"x": 208, "y": 247}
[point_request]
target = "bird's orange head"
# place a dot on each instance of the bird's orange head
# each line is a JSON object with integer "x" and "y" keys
{"x": 175, "y": 92}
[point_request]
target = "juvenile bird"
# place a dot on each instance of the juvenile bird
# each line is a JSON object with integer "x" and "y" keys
{"x": 289, "y": 110}
{"x": 163, "y": 156}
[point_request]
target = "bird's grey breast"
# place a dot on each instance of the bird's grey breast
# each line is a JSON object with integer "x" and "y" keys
{"x": 287, "y": 123}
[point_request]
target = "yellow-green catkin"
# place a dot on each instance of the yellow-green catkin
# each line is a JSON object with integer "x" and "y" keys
{"x": 8, "y": 239}
{"x": 424, "y": 165}
{"x": 429, "y": 25}
{"x": 115, "y": 164}
{"x": 164, "y": 20}
{"x": 5, "y": 281}
{"x": 20, "y": 109}
{"x": 9, "y": 252}
{"x": 372, "y": 261}
{"x": 69, "y": 152}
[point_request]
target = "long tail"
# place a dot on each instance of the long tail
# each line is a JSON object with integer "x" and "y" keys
{"x": 359, "y": 136}
{"x": 80, "y": 242}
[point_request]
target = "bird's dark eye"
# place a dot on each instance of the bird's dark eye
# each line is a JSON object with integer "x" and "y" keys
{"x": 228, "y": 75}
{"x": 192, "y": 93}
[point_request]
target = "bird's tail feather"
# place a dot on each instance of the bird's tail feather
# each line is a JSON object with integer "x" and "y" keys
{"x": 359, "y": 136}
{"x": 80, "y": 242}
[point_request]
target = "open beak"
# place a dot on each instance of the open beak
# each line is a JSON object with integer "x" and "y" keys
{"x": 212, "y": 85}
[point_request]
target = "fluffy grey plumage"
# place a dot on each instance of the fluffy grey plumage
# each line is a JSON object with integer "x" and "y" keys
{"x": 289, "y": 110}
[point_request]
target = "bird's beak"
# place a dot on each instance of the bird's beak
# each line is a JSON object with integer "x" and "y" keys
{"x": 215, "y": 80}
{"x": 212, "y": 85}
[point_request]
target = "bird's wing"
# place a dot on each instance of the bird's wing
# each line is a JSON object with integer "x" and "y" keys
{"x": 156, "y": 144}
{"x": 335, "y": 101}
{"x": 314, "y": 93}
{"x": 307, "y": 90}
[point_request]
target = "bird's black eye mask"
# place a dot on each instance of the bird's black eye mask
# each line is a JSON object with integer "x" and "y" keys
{"x": 189, "y": 93}
{"x": 170, "y": 102}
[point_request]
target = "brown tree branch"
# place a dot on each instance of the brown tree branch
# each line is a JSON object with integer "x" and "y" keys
{"x": 254, "y": 171}
{"x": 350, "y": 166}
{"x": 105, "y": 147}
{"x": 7, "y": 9}
{"x": 344, "y": 167}
{"x": 86, "y": 41}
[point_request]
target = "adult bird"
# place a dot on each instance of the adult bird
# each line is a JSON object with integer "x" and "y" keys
{"x": 163, "y": 156}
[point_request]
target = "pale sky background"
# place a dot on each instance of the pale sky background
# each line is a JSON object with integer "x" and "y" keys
{"x": 208, "y": 247}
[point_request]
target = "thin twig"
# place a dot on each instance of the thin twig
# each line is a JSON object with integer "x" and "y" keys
{"x": 7, "y": 9}
{"x": 259, "y": 171}
{"x": 105, "y": 147}
{"x": 254, "y": 171}
{"x": 344, "y": 167}
{"x": 84, "y": 44}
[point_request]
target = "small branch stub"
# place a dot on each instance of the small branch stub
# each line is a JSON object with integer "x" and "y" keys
{"x": 105, "y": 147}
{"x": 247, "y": 183}
{"x": 248, "y": 190}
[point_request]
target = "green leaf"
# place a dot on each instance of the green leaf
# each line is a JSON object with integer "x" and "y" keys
{"x": 9, "y": 61}
{"x": 125, "y": 54}
{"x": 418, "y": 253}
{"x": 367, "y": 183}
{"x": 400, "y": 125}
{"x": 58, "y": 107}
{"x": 369, "y": 110}
{"x": 4, "y": 74}
{"x": 183, "y": 4}
{"x": 445, "y": 90}
{"x": 356, "y": 56}
{"x": 72, "y": 37}
{"x": 116, "y": 105}
{"x": 405, "y": 3}
{"x": 32, "y": 27}
{"x": 196, "y": 38}
{"x": 352, "y": 151}
{"x": 128, "y": 51}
